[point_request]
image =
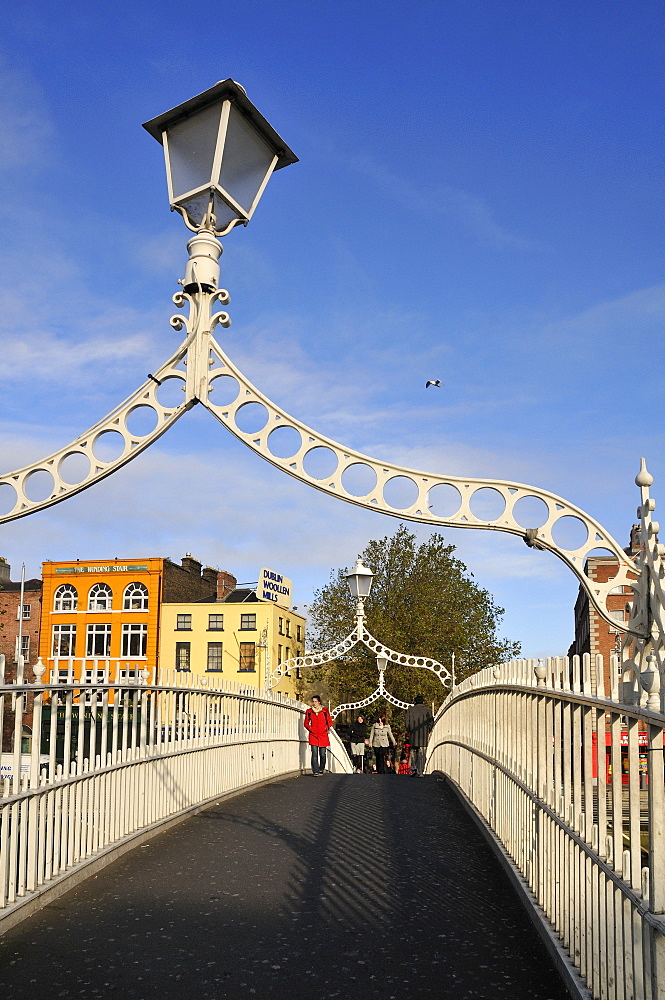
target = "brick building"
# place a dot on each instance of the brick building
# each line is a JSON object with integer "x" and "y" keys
{"x": 29, "y": 619}
{"x": 592, "y": 633}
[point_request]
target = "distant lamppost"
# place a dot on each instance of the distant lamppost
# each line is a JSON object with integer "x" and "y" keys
{"x": 359, "y": 581}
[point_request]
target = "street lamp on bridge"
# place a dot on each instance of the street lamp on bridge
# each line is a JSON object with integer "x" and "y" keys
{"x": 359, "y": 581}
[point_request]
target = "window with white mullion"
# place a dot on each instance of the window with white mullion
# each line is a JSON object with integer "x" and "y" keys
{"x": 64, "y": 640}
{"x": 100, "y": 597}
{"x": 65, "y": 598}
{"x": 135, "y": 597}
{"x": 134, "y": 639}
{"x": 98, "y": 640}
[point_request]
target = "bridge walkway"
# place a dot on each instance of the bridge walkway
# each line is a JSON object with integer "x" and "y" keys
{"x": 351, "y": 886}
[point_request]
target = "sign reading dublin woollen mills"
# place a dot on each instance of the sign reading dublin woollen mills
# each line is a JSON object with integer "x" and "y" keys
{"x": 274, "y": 587}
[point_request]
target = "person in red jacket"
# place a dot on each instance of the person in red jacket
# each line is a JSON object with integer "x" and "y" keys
{"x": 317, "y": 723}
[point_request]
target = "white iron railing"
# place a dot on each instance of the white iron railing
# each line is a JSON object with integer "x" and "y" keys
{"x": 571, "y": 782}
{"x": 112, "y": 759}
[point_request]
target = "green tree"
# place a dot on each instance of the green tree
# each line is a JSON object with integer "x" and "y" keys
{"x": 424, "y": 602}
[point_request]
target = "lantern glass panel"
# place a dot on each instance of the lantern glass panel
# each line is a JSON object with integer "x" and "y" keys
{"x": 223, "y": 214}
{"x": 197, "y": 208}
{"x": 192, "y": 150}
{"x": 246, "y": 160}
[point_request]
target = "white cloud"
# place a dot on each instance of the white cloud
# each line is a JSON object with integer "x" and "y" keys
{"x": 464, "y": 206}
{"x": 24, "y": 122}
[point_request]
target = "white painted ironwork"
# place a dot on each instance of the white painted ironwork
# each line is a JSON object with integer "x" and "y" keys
{"x": 155, "y": 751}
{"x": 379, "y": 692}
{"x": 360, "y": 636}
{"x": 570, "y": 778}
{"x": 208, "y": 376}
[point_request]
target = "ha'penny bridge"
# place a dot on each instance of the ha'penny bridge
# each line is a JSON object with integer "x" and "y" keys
{"x": 523, "y": 865}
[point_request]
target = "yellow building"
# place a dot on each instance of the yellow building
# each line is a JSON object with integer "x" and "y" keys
{"x": 237, "y": 637}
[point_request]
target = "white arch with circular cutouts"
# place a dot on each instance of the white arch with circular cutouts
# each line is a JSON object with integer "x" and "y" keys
{"x": 200, "y": 364}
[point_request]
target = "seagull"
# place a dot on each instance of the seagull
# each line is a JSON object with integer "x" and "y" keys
{"x": 433, "y": 381}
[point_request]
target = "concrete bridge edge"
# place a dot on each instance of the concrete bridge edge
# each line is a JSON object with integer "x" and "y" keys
{"x": 559, "y": 955}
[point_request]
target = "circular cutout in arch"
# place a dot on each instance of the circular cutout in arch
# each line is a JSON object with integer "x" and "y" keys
{"x": 251, "y": 418}
{"x": 359, "y": 479}
{"x": 284, "y": 442}
{"x": 444, "y": 500}
{"x": 531, "y": 512}
{"x": 141, "y": 420}
{"x": 224, "y": 389}
{"x": 171, "y": 393}
{"x": 570, "y": 533}
{"x": 108, "y": 446}
{"x": 8, "y": 498}
{"x": 74, "y": 468}
{"x": 320, "y": 462}
{"x": 610, "y": 564}
{"x": 400, "y": 492}
{"x": 487, "y": 504}
{"x": 38, "y": 485}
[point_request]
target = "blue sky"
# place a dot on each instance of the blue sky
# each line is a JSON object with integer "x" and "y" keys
{"x": 478, "y": 199}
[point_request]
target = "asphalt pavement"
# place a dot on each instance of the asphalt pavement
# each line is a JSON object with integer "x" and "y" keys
{"x": 349, "y": 886}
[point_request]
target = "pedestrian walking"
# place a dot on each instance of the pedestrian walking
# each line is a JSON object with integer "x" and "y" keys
{"x": 380, "y": 740}
{"x": 358, "y": 738}
{"x": 418, "y": 720}
{"x": 317, "y": 722}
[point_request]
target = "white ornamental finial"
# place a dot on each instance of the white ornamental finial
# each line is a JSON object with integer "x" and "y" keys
{"x": 643, "y": 479}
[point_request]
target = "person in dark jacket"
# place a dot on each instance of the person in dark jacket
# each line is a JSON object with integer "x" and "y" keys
{"x": 317, "y": 722}
{"x": 418, "y": 720}
{"x": 358, "y": 739}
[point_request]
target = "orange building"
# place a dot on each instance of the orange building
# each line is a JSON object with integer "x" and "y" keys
{"x": 100, "y": 615}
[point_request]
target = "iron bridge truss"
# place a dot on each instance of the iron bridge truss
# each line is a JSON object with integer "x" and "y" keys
{"x": 208, "y": 376}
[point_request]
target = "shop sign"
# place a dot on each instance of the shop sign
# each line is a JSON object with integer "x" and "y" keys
{"x": 274, "y": 587}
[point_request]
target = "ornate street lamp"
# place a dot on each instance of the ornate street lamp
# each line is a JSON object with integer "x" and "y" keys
{"x": 220, "y": 152}
{"x": 359, "y": 582}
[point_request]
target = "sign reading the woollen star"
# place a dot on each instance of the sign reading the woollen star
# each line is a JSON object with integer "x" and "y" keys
{"x": 274, "y": 587}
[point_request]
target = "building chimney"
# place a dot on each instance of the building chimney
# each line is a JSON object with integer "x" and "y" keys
{"x": 635, "y": 545}
{"x": 191, "y": 565}
{"x": 5, "y": 571}
{"x": 210, "y": 576}
{"x": 226, "y": 583}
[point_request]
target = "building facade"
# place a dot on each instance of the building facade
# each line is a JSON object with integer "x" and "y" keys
{"x": 100, "y": 615}
{"x": 592, "y": 633}
{"x": 18, "y": 619}
{"x": 238, "y": 636}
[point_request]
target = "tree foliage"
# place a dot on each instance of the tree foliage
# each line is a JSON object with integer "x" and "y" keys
{"x": 424, "y": 602}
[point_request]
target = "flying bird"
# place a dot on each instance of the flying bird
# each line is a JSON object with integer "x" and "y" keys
{"x": 433, "y": 381}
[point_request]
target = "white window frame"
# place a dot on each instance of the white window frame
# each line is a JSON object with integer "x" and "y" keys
{"x": 92, "y": 631}
{"x": 135, "y": 591}
{"x": 66, "y": 593}
{"x": 63, "y": 630}
{"x": 25, "y": 647}
{"x": 100, "y": 597}
{"x": 130, "y": 630}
